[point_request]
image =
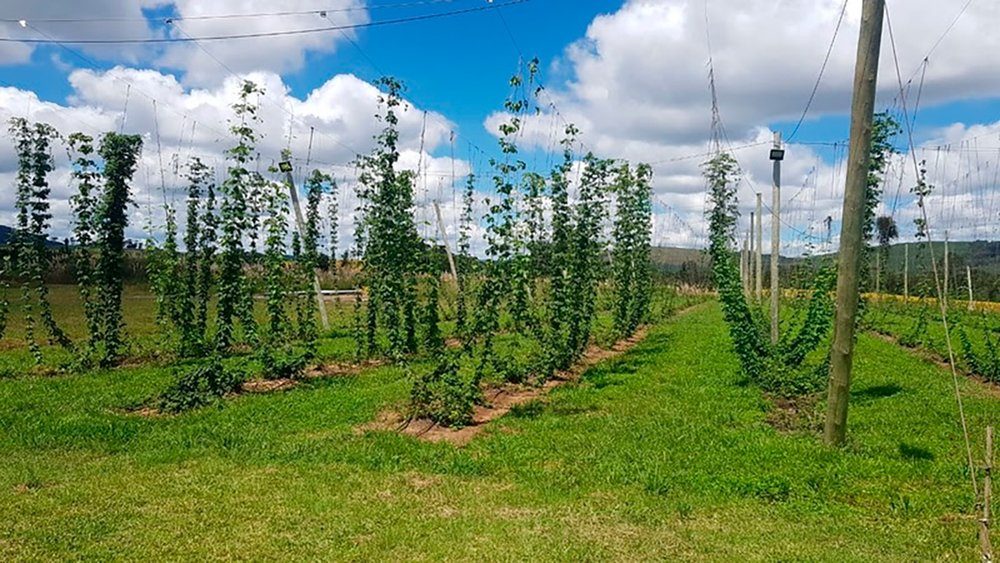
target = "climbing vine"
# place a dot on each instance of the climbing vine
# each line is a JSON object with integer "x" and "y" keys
{"x": 630, "y": 253}
{"x": 390, "y": 250}
{"x": 33, "y": 148}
{"x": 121, "y": 154}
{"x": 777, "y": 368}
{"x": 84, "y": 205}
{"x": 235, "y": 303}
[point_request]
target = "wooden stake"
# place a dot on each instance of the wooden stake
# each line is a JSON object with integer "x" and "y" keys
{"x": 947, "y": 271}
{"x": 775, "y": 238}
{"x": 751, "y": 281}
{"x": 984, "y": 523}
{"x": 759, "y": 255}
{"x": 878, "y": 272}
{"x": 743, "y": 265}
{"x": 852, "y": 228}
{"x": 320, "y": 302}
{"x": 968, "y": 278}
{"x": 444, "y": 240}
{"x": 906, "y": 271}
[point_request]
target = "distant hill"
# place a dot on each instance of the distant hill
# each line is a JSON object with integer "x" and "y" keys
{"x": 982, "y": 255}
{"x": 670, "y": 259}
{"x": 6, "y": 233}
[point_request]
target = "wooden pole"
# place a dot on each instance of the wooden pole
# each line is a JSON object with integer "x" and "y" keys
{"x": 759, "y": 255}
{"x": 984, "y": 523}
{"x": 747, "y": 280}
{"x": 968, "y": 279}
{"x": 751, "y": 282}
{"x": 947, "y": 271}
{"x": 906, "y": 271}
{"x": 878, "y": 272}
{"x": 743, "y": 265}
{"x": 775, "y": 237}
{"x": 300, "y": 224}
{"x": 852, "y": 227}
{"x": 444, "y": 240}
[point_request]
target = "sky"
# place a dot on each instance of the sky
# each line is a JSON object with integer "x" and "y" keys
{"x": 632, "y": 75}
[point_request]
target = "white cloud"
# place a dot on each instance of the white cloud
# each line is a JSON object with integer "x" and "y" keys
{"x": 282, "y": 54}
{"x": 638, "y": 89}
{"x": 194, "y": 122}
{"x": 205, "y": 63}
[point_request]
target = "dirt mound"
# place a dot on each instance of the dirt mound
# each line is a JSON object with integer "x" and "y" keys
{"x": 499, "y": 400}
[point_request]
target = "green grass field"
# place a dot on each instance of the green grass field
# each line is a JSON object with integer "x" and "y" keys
{"x": 662, "y": 453}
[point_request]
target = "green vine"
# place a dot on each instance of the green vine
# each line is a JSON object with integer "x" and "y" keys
{"x": 240, "y": 186}
{"x": 84, "y": 204}
{"x": 778, "y": 369}
{"x": 391, "y": 244}
{"x": 631, "y": 251}
{"x": 33, "y": 149}
{"x": 121, "y": 155}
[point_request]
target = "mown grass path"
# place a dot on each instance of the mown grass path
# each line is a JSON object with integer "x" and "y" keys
{"x": 661, "y": 453}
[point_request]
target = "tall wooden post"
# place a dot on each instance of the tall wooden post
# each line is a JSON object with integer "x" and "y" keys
{"x": 968, "y": 279}
{"x": 878, "y": 272}
{"x": 759, "y": 255}
{"x": 947, "y": 271}
{"x": 776, "y": 156}
{"x": 300, "y": 224}
{"x": 743, "y": 265}
{"x": 444, "y": 241}
{"x": 852, "y": 228}
{"x": 984, "y": 523}
{"x": 751, "y": 281}
{"x": 906, "y": 271}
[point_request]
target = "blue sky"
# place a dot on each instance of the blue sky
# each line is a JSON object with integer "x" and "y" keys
{"x": 632, "y": 75}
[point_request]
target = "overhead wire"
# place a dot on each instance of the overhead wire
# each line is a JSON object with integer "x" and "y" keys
{"x": 937, "y": 281}
{"x": 264, "y": 34}
{"x": 353, "y": 8}
{"x": 822, "y": 69}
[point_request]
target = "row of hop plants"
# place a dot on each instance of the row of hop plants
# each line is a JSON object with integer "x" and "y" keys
{"x": 223, "y": 262}
{"x": 795, "y": 364}
{"x": 219, "y": 263}
{"x": 779, "y": 368}
{"x": 547, "y": 254}
{"x": 100, "y": 210}
{"x": 980, "y": 356}
{"x": 545, "y": 257}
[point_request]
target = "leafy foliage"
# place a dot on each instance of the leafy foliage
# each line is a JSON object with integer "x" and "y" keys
{"x": 84, "y": 205}
{"x": 121, "y": 155}
{"x": 200, "y": 386}
{"x": 234, "y": 292}
{"x": 445, "y": 395}
{"x": 984, "y": 362}
{"x": 33, "y": 149}
{"x": 389, "y": 235}
{"x": 776, "y": 368}
{"x": 630, "y": 253}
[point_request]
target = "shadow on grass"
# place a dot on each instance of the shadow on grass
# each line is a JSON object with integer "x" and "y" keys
{"x": 915, "y": 453}
{"x": 869, "y": 394}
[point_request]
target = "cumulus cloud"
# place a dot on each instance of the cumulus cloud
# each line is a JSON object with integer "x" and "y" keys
{"x": 338, "y": 116}
{"x": 278, "y": 54}
{"x": 638, "y": 89}
{"x": 205, "y": 63}
{"x": 63, "y": 20}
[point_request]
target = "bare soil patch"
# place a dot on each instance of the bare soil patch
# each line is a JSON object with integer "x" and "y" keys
{"x": 793, "y": 414}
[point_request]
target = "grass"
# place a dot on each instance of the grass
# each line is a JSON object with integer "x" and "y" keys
{"x": 901, "y": 320}
{"x": 663, "y": 453}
